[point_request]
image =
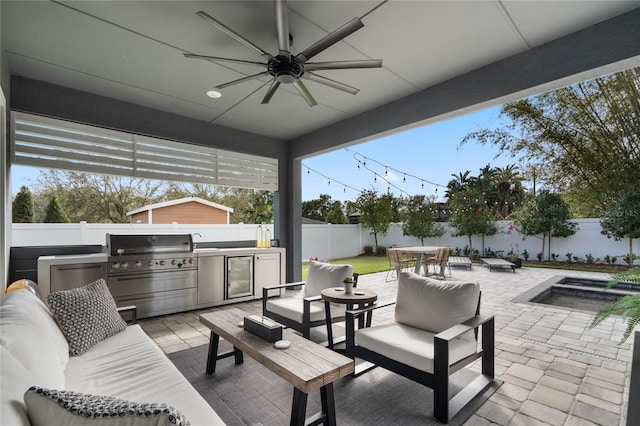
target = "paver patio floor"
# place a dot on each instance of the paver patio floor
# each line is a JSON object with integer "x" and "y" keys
{"x": 556, "y": 371}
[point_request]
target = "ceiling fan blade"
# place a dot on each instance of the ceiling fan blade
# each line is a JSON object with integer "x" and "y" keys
{"x": 282, "y": 27}
{"x": 331, "y": 83}
{"x": 302, "y": 89}
{"x": 330, "y": 39}
{"x": 272, "y": 89}
{"x": 219, "y": 59}
{"x": 222, "y": 27}
{"x": 339, "y": 65}
{"x": 240, "y": 80}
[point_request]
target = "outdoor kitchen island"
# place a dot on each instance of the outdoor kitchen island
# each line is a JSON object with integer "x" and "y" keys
{"x": 170, "y": 278}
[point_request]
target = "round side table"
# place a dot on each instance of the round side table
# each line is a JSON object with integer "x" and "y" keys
{"x": 359, "y": 296}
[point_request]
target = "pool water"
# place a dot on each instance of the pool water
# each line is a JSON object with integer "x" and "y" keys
{"x": 575, "y": 302}
{"x": 577, "y": 293}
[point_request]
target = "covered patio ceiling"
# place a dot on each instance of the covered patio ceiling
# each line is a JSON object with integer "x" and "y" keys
{"x": 121, "y": 65}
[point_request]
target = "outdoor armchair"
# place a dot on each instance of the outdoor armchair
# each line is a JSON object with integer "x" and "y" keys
{"x": 304, "y": 313}
{"x": 435, "y": 333}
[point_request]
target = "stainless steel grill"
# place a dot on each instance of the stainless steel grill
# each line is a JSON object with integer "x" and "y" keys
{"x": 156, "y": 272}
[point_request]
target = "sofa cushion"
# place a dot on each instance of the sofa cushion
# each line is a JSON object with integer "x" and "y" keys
{"x": 74, "y": 408}
{"x": 324, "y": 275}
{"x": 434, "y": 305}
{"x": 292, "y": 307}
{"x": 31, "y": 335}
{"x": 86, "y": 315}
{"x": 411, "y": 346}
{"x": 15, "y": 381}
{"x": 129, "y": 365}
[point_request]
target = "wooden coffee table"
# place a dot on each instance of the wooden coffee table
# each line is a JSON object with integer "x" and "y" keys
{"x": 305, "y": 364}
{"x": 359, "y": 296}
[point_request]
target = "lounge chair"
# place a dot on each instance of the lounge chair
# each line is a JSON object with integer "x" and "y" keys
{"x": 435, "y": 333}
{"x": 304, "y": 313}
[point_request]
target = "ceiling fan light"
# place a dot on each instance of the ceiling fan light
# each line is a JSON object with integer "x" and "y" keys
{"x": 214, "y": 93}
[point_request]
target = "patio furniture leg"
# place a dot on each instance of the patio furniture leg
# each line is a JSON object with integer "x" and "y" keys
{"x": 212, "y": 357}
{"x": 327, "y": 313}
{"x": 328, "y": 404}
{"x": 298, "y": 408}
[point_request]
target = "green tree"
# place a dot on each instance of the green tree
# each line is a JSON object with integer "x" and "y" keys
{"x": 470, "y": 215}
{"x": 336, "y": 214}
{"x": 583, "y": 139}
{"x": 376, "y": 212}
{"x": 54, "y": 213}
{"x": 622, "y": 219}
{"x": 419, "y": 218}
{"x": 22, "y": 208}
{"x": 249, "y": 205}
{"x": 319, "y": 208}
{"x": 545, "y": 216}
{"x": 98, "y": 198}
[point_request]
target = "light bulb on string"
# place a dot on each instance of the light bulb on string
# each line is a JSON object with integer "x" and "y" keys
{"x": 386, "y": 172}
{"x": 375, "y": 178}
{"x": 404, "y": 179}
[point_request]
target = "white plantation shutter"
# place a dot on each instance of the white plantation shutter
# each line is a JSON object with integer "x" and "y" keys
{"x": 58, "y": 144}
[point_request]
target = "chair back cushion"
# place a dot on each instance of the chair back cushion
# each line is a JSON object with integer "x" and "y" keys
{"x": 324, "y": 275}
{"x": 434, "y": 305}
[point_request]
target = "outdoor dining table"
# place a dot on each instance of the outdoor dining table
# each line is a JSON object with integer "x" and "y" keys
{"x": 418, "y": 252}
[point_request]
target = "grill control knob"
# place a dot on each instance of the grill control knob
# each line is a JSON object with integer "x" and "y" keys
{"x": 138, "y": 264}
{"x": 125, "y": 265}
{"x": 174, "y": 262}
{"x": 162, "y": 263}
{"x": 150, "y": 263}
{"x": 190, "y": 261}
{"x": 116, "y": 265}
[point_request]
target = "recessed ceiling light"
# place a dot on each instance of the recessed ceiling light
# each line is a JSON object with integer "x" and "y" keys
{"x": 214, "y": 93}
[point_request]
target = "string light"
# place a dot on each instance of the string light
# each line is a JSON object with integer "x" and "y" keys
{"x": 362, "y": 161}
{"x": 329, "y": 179}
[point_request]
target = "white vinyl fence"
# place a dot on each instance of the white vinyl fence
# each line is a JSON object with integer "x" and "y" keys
{"x": 326, "y": 241}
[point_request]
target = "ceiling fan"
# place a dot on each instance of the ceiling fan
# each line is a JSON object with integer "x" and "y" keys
{"x": 286, "y": 68}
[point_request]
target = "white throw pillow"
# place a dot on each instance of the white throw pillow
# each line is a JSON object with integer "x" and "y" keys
{"x": 434, "y": 305}
{"x": 73, "y": 408}
{"x": 325, "y": 275}
{"x": 86, "y": 315}
{"x": 32, "y": 336}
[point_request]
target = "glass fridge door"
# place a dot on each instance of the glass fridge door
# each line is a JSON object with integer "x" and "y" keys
{"x": 239, "y": 276}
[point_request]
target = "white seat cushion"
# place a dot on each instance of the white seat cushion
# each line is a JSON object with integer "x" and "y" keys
{"x": 130, "y": 366}
{"x": 292, "y": 307}
{"x": 409, "y": 345}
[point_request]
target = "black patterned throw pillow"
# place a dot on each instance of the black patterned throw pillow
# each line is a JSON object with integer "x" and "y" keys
{"x": 86, "y": 315}
{"x": 46, "y": 407}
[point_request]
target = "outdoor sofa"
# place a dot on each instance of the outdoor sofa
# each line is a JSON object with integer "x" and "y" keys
{"x": 119, "y": 379}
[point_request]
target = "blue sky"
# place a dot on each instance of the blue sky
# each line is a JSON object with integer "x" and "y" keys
{"x": 431, "y": 153}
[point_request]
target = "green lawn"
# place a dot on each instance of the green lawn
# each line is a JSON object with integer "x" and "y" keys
{"x": 361, "y": 264}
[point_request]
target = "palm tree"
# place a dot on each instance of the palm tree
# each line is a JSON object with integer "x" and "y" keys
{"x": 506, "y": 177}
